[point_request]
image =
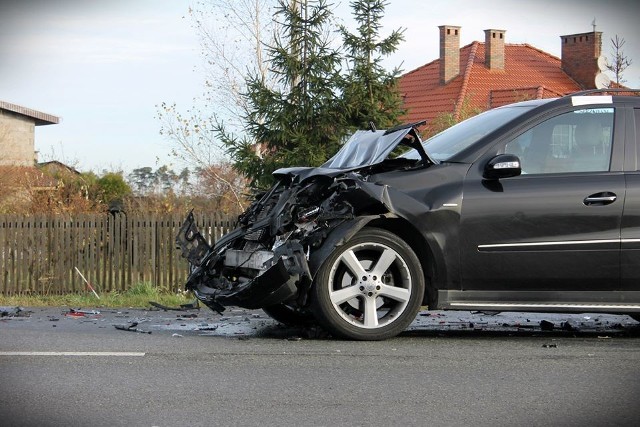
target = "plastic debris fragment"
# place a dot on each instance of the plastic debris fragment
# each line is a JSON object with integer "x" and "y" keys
{"x": 14, "y": 312}
{"x": 545, "y": 325}
{"x": 183, "y": 307}
{"x": 131, "y": 328}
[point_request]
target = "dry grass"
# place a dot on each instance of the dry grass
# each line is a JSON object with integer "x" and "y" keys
{"x": 136, "y": 297}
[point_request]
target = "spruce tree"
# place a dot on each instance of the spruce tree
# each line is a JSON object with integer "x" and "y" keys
{"x": 370, "y": 93}
{"x": 300, "y": 121}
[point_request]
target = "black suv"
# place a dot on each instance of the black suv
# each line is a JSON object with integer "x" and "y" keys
{"x": 533, "y": 206}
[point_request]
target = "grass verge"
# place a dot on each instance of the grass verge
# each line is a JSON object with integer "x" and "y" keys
{"x": 138, "y": 296}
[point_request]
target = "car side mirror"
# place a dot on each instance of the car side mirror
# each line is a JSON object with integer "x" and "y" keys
{"x": 503, "y": 166}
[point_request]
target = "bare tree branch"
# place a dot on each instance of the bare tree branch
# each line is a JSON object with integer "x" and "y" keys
{"x": 619, "y": 61}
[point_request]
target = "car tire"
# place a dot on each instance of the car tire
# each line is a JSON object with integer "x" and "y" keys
{"x": 354, "y": 297}
{"x": 289, "y": 315}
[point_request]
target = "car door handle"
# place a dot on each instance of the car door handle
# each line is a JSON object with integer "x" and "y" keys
{"x": 600, "y": 199}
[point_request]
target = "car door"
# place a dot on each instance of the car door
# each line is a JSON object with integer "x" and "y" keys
{"x": 556, "y": 227}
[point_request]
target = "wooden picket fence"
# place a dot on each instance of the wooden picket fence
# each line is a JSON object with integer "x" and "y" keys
{"x": 43, "y": 254}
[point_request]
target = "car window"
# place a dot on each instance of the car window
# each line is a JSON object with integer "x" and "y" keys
{"x": 455, "y": 139}
{"x": 579, "y": 141}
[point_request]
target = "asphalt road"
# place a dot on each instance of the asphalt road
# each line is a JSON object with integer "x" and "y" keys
{"x": 197, "y": 368}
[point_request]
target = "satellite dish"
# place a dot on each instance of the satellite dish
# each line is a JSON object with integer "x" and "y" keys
{"x": 602, "y": 81}
{"x": 602, "y": 63}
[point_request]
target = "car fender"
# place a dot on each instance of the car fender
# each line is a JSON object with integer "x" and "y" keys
{"x": 339, "y": 236}
{"x": 426, "y": 228}
{"x": 398, "y": 206}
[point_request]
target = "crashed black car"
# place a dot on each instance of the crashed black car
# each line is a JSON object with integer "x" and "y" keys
{"x": 533, "y": 206}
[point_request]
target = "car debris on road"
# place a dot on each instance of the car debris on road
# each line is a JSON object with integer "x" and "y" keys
{"x": 14, "y": 312}
{"x": 76, "y": 312}
{"x": 183, "y": 307}
{"x": 131, "y": 327}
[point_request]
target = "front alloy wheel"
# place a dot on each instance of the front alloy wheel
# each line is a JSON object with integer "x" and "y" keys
{"x": 370, "y": 288}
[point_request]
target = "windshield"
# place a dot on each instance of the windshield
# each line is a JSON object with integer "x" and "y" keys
{"x": 453, "y": 140}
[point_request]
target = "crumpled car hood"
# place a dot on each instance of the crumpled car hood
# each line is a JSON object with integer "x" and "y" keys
{"x": 363, "y": 149}
{"x": 366, "y": 148}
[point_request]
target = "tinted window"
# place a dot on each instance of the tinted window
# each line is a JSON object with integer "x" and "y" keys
{"x": 579, "y": 141}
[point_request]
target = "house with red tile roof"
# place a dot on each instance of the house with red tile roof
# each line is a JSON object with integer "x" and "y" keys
{"x": 490, "y": 74}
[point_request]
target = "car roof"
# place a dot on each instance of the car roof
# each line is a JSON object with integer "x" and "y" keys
{"x": 531, "y": 103}
{"x": 586, "y": 97}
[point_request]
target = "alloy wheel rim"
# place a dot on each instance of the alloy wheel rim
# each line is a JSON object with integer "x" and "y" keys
{"x": 370, "y": 285}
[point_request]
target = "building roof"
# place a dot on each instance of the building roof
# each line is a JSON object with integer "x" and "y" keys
{"x": 529, "y": 73}
{"x": 39, "y": 117}
{"x": 59, "y": 165}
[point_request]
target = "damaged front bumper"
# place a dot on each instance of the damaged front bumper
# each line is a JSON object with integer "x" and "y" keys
{"x": 285, "y": 235}
{"x": 222, "y": 276}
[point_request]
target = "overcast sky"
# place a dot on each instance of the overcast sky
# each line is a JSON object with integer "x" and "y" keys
{"x": 103, "y": 66}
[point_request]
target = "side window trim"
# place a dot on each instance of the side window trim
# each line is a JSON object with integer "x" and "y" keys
{"x": 632, "y": 153}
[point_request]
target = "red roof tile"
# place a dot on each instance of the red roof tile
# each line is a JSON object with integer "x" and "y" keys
{"x": 529, "y": 73}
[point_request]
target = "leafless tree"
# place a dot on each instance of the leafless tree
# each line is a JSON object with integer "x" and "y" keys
{"x": 233, "y": 35}
{"x": 194, "y": 144}
{"x": 619, "y": 61}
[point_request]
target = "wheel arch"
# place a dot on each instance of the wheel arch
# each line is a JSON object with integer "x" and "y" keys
{"x": 423, "y": 250}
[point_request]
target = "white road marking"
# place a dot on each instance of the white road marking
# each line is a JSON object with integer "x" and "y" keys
{"x": 72, "y": 353}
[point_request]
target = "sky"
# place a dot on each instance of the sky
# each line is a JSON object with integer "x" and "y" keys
{"x": 104, "y": 66}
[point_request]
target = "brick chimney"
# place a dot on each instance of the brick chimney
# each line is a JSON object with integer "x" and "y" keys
{"x": 579, "y": 57}
{"x": 494, "y": 49}
{"x": 449, "y": 53}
